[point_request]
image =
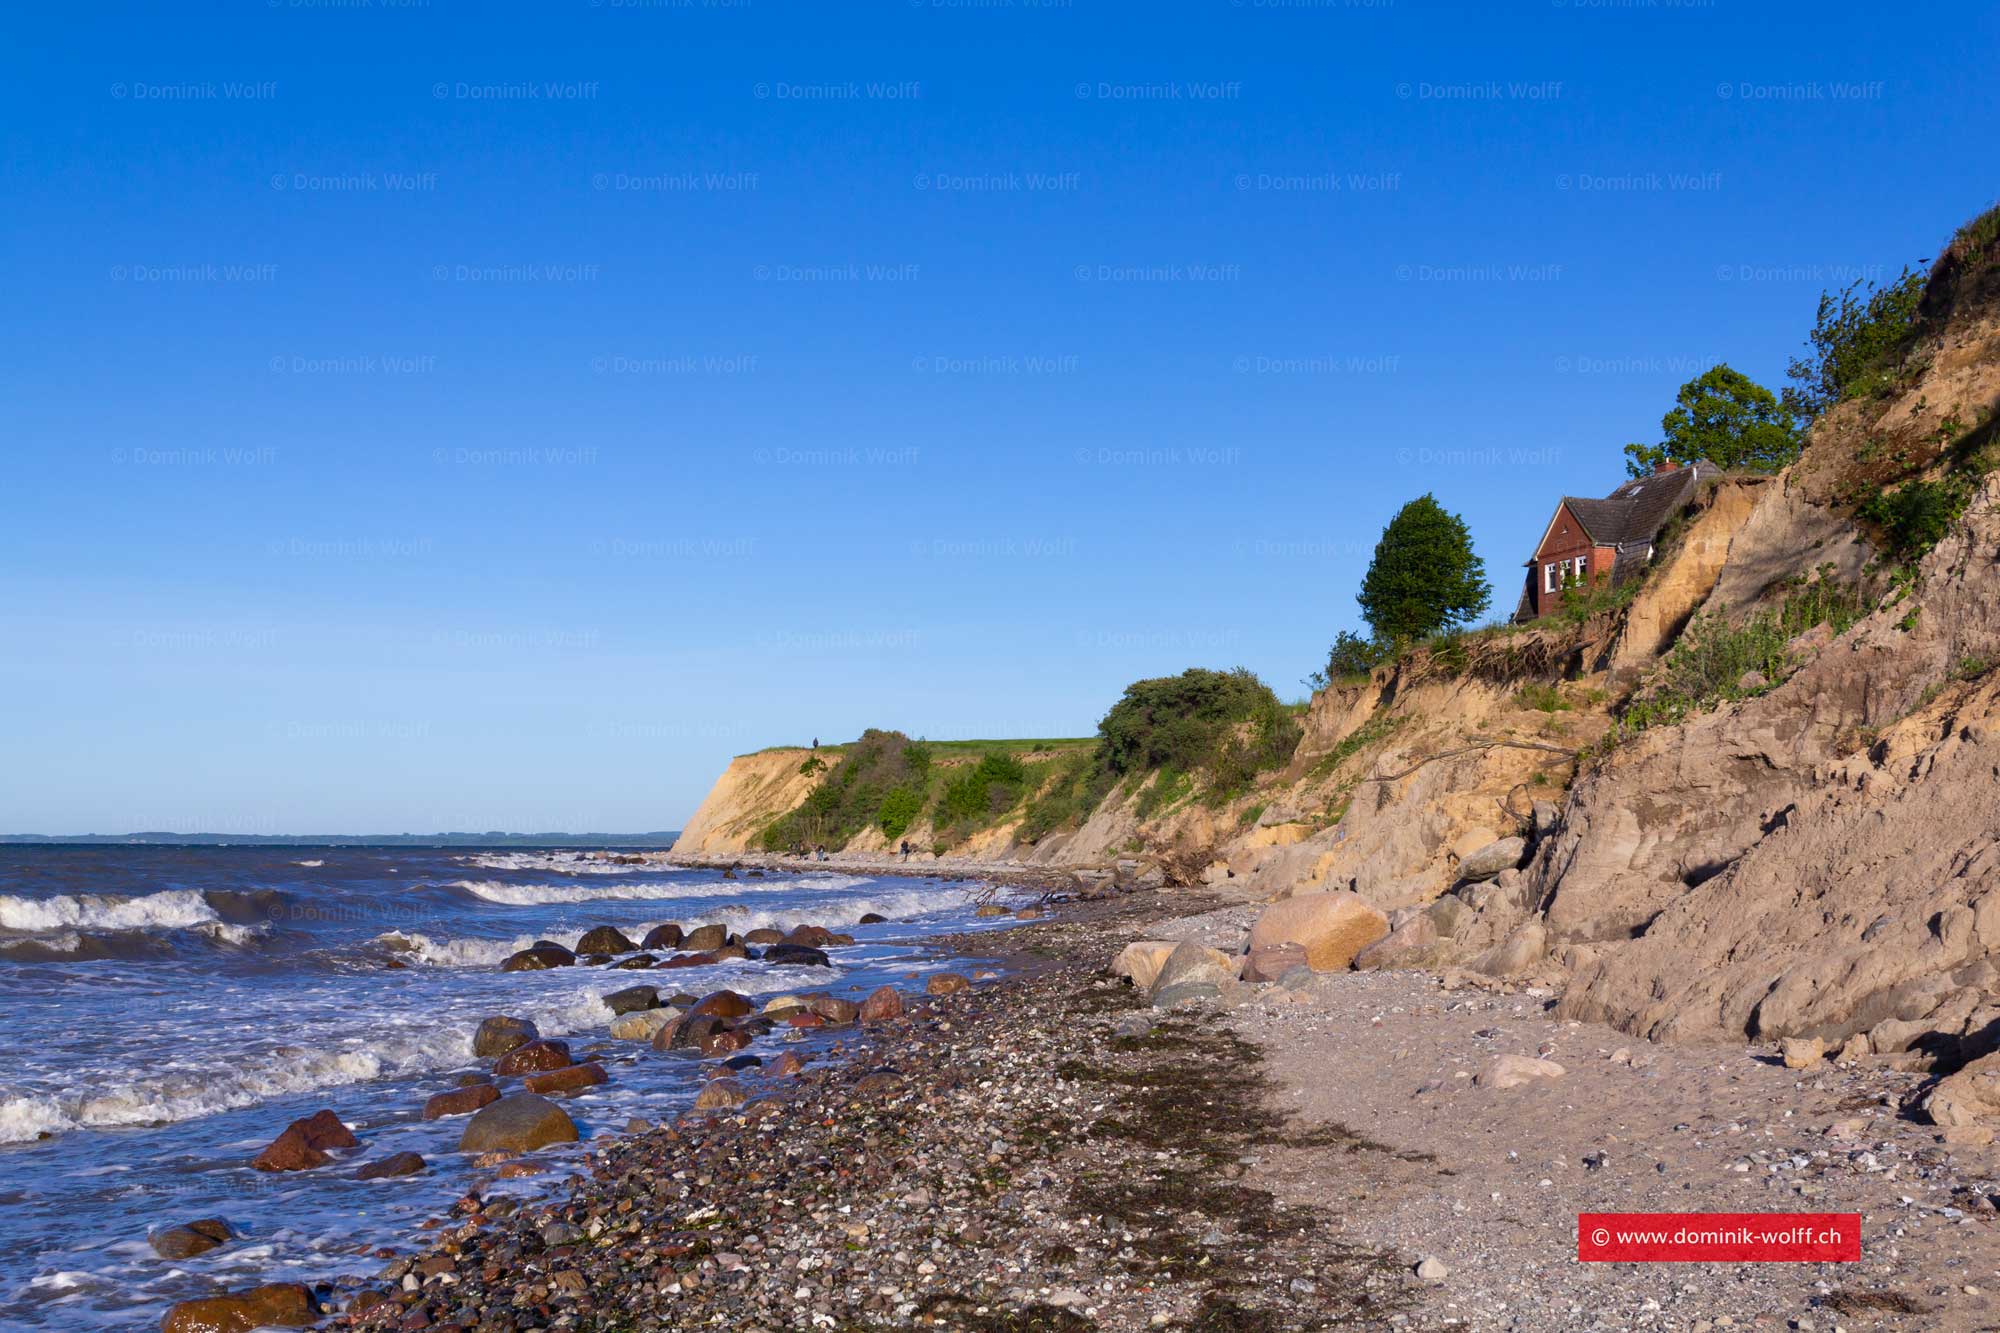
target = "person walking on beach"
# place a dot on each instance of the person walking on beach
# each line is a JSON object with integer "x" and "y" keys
{"x": 906, "y": 849}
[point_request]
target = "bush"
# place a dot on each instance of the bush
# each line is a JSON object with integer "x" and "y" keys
{"x": 1857, "y": 344}
{"x": 1729, "y": 419}
{"x": 979, "y": 794}
{"x": 1350, "y": 659}
{"x": 881, "y": 779}
{"x": 1915, "y": 516}
{"x": 1425, "y": 578}
{"x": 899, "y": 809}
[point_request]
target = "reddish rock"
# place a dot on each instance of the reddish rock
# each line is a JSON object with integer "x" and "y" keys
{"x": 722, "y": 1004}
{"x": 834, "y": 1009}
{"x": 461, "y": 1101}
{"x": 1271, "y": 961}
{"x": 662, "y": 937}
{"x": 499, "y": 1035}
{"x": 689, "y": 960}
{"x": 191, "y": 1238}
{"x": 668, "y": 1035}
{"x": 397, "y": 1164}
{"x": 323, "y": 1130}
{"x": 813, "y": 937}
{"x": 946, "y": 983}
{"x": 723, "y": 1094}
{"x": 303, "y": 1144}
{"x": 534, "y": 1058}
{"x": 276, "y": 1305}
{"x": 804, "y": 1018}
{"x": 575, "y": 1078}
{"x": 882, "y": 1006}
{"x": 786, "y": 1065}
{"x": 727, "y": 1041}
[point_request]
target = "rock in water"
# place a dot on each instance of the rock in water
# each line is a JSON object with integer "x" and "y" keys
{"x": 662, "y": 937}
{"x": 303, "y": 1144}
{"x": 461, "y": 1101}
{"x": 796, "y": 955}
{"x": 1493, "y": 858}
{"x": 575, "y": 1078}
{"x": 834, "y": 1009}
{"x": 534, "y": 1058}
{"x": 539, "y": 957}
{"x": 1513, "y": 1071}
{"x": 722, "y": 1004}
{"x": 633, "y": 999}
{"x": 520, "y": 1123}
{"x": 499, "y": 1035}
{"x": 703, "y": 938}
{"x": 763, "y": 935}
{"x": 642, "y": 1025}
{"x": 191, "y": 1238}
{"x": 723, "y": 1094}
{"x": 1139, "y": 962}
{"x": 882, "y": 1006}
{"x": 398, "y": 1164}
{"x": 276, "y": 1305}
{"x": 1332, "y": 927}
{"x": 605, "y": 939}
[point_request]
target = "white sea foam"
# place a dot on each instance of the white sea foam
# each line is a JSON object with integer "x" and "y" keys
{"x": 312, "y": 864}
{"x": 172, "y": 909}
{"x": 567, "y": 863}
{"x": 534, "y": 895}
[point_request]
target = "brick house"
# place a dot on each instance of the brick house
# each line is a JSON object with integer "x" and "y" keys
{"x": 1612, "y": 538}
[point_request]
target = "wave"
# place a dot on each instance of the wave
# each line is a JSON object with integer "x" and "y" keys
{"x": 567, "y": 863}
{"x": 534, "y": 895}
{"x": 172, "y": 909}
{"x": 72, "y": 946}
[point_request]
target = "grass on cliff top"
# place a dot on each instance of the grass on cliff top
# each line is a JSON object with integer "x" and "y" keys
{"x": 1017, "y": 746}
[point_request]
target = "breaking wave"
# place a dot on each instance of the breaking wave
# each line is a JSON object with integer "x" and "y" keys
{"x": 172, "y": 909}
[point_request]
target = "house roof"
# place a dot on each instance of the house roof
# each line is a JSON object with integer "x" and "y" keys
{"x": 1636, "y": 511}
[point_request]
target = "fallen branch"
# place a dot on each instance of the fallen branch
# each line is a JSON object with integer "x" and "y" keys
{"x": 1473, "y": 749}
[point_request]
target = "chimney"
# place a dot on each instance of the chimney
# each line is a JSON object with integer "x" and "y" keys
{"x": 1660, "y": 468}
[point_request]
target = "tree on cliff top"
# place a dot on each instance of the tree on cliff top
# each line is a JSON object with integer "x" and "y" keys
{"x": 1425, "y": 577}
{"x": 1726, "y": 417}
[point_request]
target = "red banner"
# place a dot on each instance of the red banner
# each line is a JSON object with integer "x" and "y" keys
{"x": 1724, "y": 1238}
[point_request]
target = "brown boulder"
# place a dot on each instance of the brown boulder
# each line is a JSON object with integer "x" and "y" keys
{"x": 499, "y": 1035}
{"x": 539, "y": 957}
{"x": 689, "y": 960}
{"x": 786, "y": 1065}
{"x": 534, "y": 1058}
{"x": 605, "y": 939}
{"x": 946, "y": 983}
{"x": 1273, "y": 961}
{"x": 813, "y": 937}
{"x": 704, "y": 938}
{"x": 461, "y": 1101}
{"x": 303, "y": 1144}
{"x": 575, "y": 1078}
{"x": 1140, "y": 961}
{"x": 662, "y": 937}
{"x": 633, "y": 999}
{"x": 397, "y": 1164}
{"x": 763, "y": 935}
{"x": 667, "y": 1035}
{"x": 804, "y": 1018}
{"x": 191, "y": 1238}
{"x": 1968, "y": 1099}
{"x": 882, "y": 1006}
{"x": 275, "y": 1305}
{"x": 726, "y": 1041}
{"x": 722, "y": 1004}
{"x": 724, "y": 1094}
{"x": 834, "y": 1009}
{"x": 520, "y": 1123}
{"x": 1408, "y": 945}
{"x": 1331, "y": 927}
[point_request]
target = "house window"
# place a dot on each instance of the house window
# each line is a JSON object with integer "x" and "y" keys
{"x": 1555, "y": 575}
{"x": 1551, "y": 581}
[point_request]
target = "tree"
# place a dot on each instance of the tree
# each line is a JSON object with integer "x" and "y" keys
{"x": 1855, "y": 338}
{"x": 1726, "y": 417}
{"x": 1425, "y": 577}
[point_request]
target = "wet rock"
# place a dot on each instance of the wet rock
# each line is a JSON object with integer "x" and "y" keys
{"x": 689, "y": 960}
{"x": 882, "y": 1006}
{"x": 499, "y": 1035}
{"x": 872, "y": 918}
{"x": 946, "y": 983}
{"x": 834, "y": 1009}
{"x": 730, "y": 950}
{"x": 643, "y": 1025}
{"x": 191, "y": 1238}
{"x": 274, "y": 1305}
{"x": 520, "y": 1123}
{"x": 724, "y": 1094}
{"x": 1494, "y": 857}
{"x": 538, "y": 958}
{"x": 1514, "y": 1071}
{"x": 722, "y": 1004}
{"x": 667, "y": 936}
{"x": 638, "y": 962}
{"x": 397, "y": 1164}
{"x": 573, "y": 1079}
{"x": 703, "y": 939}
{"x": 812, "y": 937}
{"x": 534, "y": 1058}
{"x": 990, "y": 909}
{"x": 461, "y": 1101}
{"x": 633, "y": 999}
{"x": 786, "y": 1065}
{"x": 796, "y": 955}
{"x": 1332, "y": 927}
{"x": 605, "y": 939}
{"x": 303, "y": 1144}
{"x": 724, "y": 1041}
{"x": 763, "y": 935}
{"x": 1139, "y": 962}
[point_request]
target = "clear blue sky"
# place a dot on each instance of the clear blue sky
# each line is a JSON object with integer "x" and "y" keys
{"x": 491, "y": 416}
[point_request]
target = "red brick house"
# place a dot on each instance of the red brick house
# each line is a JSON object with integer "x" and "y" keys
{"x": 1612, "y": 538}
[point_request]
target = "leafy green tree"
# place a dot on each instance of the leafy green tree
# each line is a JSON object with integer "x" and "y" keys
{"x": 1726, "y": 417}
{"x": 1856, "y": 337}
{"x": 1425, "y": 577}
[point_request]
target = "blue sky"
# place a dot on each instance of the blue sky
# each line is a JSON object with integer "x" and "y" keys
{"x": 486, "y": 416}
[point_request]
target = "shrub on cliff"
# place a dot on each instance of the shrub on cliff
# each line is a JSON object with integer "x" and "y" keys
{"x": 881, "y": 779}
{"x": 1858, "y": 340}
{"x": 1425, "y": 578}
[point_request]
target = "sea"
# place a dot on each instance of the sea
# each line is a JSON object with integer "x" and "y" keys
{"x": 170, "y": 1009}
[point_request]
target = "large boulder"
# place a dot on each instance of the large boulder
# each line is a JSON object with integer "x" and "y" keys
{"x": 1139, "y": 962}
{"x": 668, "y": 936}
{"x": 605, "y": 939}
{"x": 1332, "y": 927}
{"x": 1408, "y": 945}
{"x": 396, "y": 1164}
{"x": 575, "y": 1078}
{"x": 520, "y": 1123}
{"x": 643, "y": 1024}
{"x": 534, "y": 1058}
{"x": 1494, "y": 857}
{"x": 461, "y": 1101}
{"x": 722, "y": 1004}
{"x": 702, "y": 939}
{"x": 1272, "y": 961}
{"x": 1970, "y": 1098}
{"x": 883, "y": 1005}
{"x": 191, "y": 1238}
{"x": 833, "y": 1009}
{"x": 303, "y": 1144}
{"x": 274, "y": 1305}
{"x": 633, "y": 999}
{"x": 539, "y": 957}
{"x": 811, "y": 937}
{"x": 500, "y": 1034}
{"x": 796, "y": 955}
{"x": 1193, "y": 964}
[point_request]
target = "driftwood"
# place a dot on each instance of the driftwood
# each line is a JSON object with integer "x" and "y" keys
{"x": 1472, "y": 749}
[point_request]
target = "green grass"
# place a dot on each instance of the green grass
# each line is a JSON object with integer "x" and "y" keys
{"x": 1541, "y": 698}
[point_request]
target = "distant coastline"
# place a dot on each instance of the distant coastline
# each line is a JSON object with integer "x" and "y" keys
{"x": 654, "y": 839}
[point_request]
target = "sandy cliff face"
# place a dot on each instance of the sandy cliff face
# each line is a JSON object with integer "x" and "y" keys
{"x": 752, "y": 791}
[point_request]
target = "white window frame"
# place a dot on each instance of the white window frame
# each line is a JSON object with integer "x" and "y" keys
{"x": 1551, "y": 578}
